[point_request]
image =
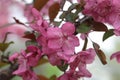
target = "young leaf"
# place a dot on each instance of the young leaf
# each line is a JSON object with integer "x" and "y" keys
{"x": 53, "y": 11}
{"x": 31, "y": 42}
{"x": 97, "y": 26}
{"x": 57, "y": 23}
{"x": 108, "y": 34}
{"x": 83, "y": 28}
{"x": 38, "y": 4}
{"x": 100, "y": 53}
{"x": 4, "y": 46}
{"x": 102, "y": 57}
{"x": 70, "y": 17}
{"x": 30, "y": 36}
{"x": 42, "y": 61}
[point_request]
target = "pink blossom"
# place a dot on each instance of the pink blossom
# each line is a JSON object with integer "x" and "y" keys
{"x": 68, "y": 76}
{"x": 28, "y": 75}
{"x": 13, "y": 57}
{"x": 63, "y": 41}
{"x": 100, "y": 10}
{"x": 106, "y": 11}
{"x": 43, "y": 42}
{"x": 62, "y": 37}
{"x": 87, "y": 56}
{"x": 28, "y": 12}
{"x": 39, "y": 24}
{"x": 26, "y": 60}
{"x": 116, "y": 55}
{"x": 83, "y": 58}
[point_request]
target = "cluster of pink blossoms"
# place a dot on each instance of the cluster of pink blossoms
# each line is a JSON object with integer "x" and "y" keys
{"x": 58, "y": 44}
{"x": 26, "y": 60}
{"x": 105, "y": 11}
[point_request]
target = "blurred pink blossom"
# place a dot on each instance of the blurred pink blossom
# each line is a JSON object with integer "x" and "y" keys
{"x": 116, "y": 55}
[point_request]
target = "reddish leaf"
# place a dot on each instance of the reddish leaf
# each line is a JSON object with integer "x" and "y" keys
{"x": 42, "y": 61}
{"x": 41, "y": 77}
{"x": 100, "y": 53}
{"x": 38, "y": 4}
{"x": 53, "y": 11}
{"x": 30, "y": 36}
{"x": 102, "y": 56}
{"x": 97, "y": 26}
{"x": 96, "y": 46}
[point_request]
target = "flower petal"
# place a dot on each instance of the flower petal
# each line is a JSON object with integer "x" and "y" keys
{"x": 54, "y": 33}
{"x": 68, "y": 28}
{"x": 55, "y": 43}
{"x": 116, "y": 55}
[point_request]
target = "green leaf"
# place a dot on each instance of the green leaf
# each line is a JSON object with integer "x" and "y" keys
{"x": 57, "y": 23}
{"x": 4, "y": 46}
{"x": 70, "y": 17}
{"x": 31, "y": 42}
{"x": 108, "y": 34}
{"x": 73, "y": 6}
{"x": 62, "y": 16}
{"x": 83, "y": 28}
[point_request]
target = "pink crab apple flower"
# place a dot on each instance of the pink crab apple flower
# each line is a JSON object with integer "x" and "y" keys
{"x": 63, "y": 40}
{"x": 26, "y": 60}
{"x": 87, "y": 56}
{"x": 100, "y": 10}
{"x": 43, "y": 41}
{"x": 68, "y": 76}
{"x": 28, "y": 12}
{"x": 54, "y": 59}
{"x": 33, "y": 56}
{"x": 39, "y": 24}
{"x": 28, "y": 75}
{"x": 116, "y": 55}
{"x": 83, "y": 58}
{"x": 105, "y": 11}
{"x": 62, "y": 37}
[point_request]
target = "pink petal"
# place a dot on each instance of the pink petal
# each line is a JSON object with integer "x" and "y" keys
{"x": 68, "y": 28}
{"x": 116, "y": 55}
{"x": 35, "y": 12}
{"x": 55, "y": 43}
{"x": 54, "y": 33}
{"x": 73, "y": 40}
{"x": 13, "y": 57}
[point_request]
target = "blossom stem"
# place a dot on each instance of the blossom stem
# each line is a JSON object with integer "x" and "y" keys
{"x": 85, "y": 44}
